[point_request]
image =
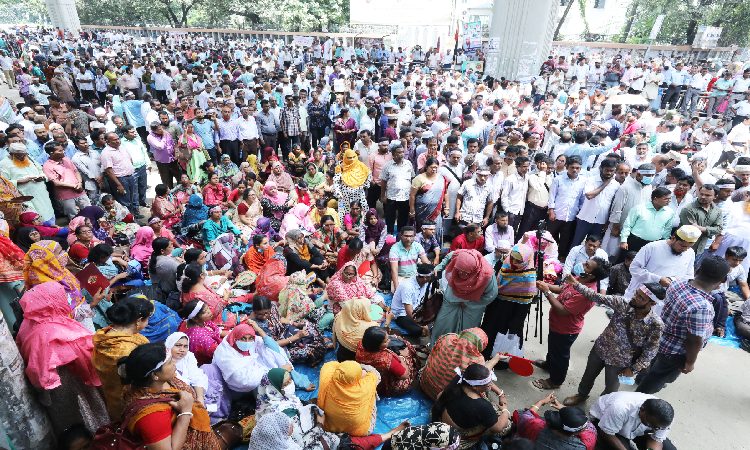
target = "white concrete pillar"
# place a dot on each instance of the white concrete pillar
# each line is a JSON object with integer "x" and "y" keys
{"x": 63, "y": 14}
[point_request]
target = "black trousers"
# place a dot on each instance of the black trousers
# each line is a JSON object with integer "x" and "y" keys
{"x": 143, "y": 134}
{"x": 503, "y": 317}
{"x": 408, "y": 325}
{"x": 670, "y": 97}
{"x": 168, "y": 171}
{"x": 373, "y": 195}
{"x": 514, "y": 221}
{"x": 664, "y": 369}
{"x": 161, "y": 95}
{"x": 393, "y": 208}
{"x": 558, "y": 355}
{"x": 532, "y": 214}
{"x": 563, "y": 232}
{"x": 317, "y": 134}
{"x": 269, "y": 140}
{"x": 231, "y": 148}
{"x": 634, "y": 243}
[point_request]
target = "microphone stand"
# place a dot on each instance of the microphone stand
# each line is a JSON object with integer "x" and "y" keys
{"x": 539, "y": 261}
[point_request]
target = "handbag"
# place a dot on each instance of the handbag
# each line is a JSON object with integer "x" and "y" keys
{"x": 116, "y": 436}
{"x": 395, "y": 344}
{"x": 427, "y": 311}
{"x": 230, "y": 434}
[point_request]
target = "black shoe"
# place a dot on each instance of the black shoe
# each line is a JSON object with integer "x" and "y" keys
{"x": 745, "y": 345}
{"x": 138, "y": 216}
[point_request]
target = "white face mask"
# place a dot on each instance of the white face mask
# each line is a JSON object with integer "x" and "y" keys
{"x": 245, "y": 346}
{"x": 289, "y": 390}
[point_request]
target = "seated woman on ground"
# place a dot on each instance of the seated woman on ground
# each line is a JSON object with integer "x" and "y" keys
{"x": 191, "y": 282}
{"x": 464, "y": 405}
{"x": 204, "y": 335}
{"x": 166, "y": 207}
{"x": 564, "y": 427}
{"x": 397, "y": 371}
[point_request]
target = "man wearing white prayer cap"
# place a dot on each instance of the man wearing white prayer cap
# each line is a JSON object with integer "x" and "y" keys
{"x": 665, "y": 261}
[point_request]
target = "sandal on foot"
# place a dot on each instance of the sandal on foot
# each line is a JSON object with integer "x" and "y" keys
{"x": 544, "y": 385}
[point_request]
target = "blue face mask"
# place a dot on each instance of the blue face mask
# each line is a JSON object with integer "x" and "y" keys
{"x": 245, "y": 346}
{"x": 647, "y": 180}
{"x": 578, "y": 270}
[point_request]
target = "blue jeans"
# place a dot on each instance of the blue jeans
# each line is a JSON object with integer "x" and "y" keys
{"x": 140, "y": 185}
{"x": 130, "y": 198}
{"x": 584, "y": 229}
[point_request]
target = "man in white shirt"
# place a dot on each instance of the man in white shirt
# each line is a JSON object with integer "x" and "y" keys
{"x": 621, "y": 417}
{"x": 598, "y": 192}
{"x": 515, "y": 188}
{"x": 248, "y": 132}
{"x": 697, "y": 85}
{"x": 85, "y": 82}
{"x": 582, "y": 253}
{"x": 741, "y": 111}
{"x": 365, "y": 146}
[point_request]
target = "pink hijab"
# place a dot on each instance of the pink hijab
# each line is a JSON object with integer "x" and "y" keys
{"x": 477, "y": 271}
{"x": 278, "y": 199}
{"x": 297, "y": 219}
{"x": 49, "y": 338}
{"x": 141, "y": 249}
{"x": 78, "y": 221}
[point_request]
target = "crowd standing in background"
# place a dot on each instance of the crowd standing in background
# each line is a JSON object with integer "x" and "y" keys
{"x": 308, "y": 198}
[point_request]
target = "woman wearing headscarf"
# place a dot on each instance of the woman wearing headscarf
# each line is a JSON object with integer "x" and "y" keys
{"x": 348, "y": 397}
{"x": 313, "y": 177}
{"x": 241, "y": 175}
{"x": 280, "y": 178}
{"x": 196, "y": 213}
{"x": 186, "y": 366}
{"x": 344, "y": 285}
{"x": 297, "y": 219}
{"x": 327, "y": 238}
{"x": 373, "y": 231}
{"x": 128, "y": 317}
{"x": 345, "y": 128}
{"x": 273, "y": 431}
{"x": 275, "y": 204}
{"x": 57, "y": 352}
{"x": 149, "y": 373}
{"x": 191, "y": 152}
{"x": 227, "y": 170}
{"x": 397, "y": 370}
{"x": 248, "y": 213}
{"x": 564, "y": 427}
{"x": 516, "y": 282}
{"x": 351, "y": 181}
{"x": 471, "y": 287}
{"x": 26, "y": 237}
{"x": 8, "y": 207}
{"x": 301, "y": 254}
{"x": 222, "y": 255}
{"x": 349, "y": 326}
{"x": 53, "y": 233}
{"x": 216, "y": 225}
{"x": 92, "y": 216}
{"x": 451, "y": 351}
{"x": 142, "y": 247}
{"x": 11, "y": 273}
{"x": 301, "y": 340}
{"x": 46, "y": 261}
{"x": 245, "y": 355}
{"x": 552, "y": 266}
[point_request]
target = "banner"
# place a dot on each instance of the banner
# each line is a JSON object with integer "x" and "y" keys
{"x": 476, "y": 66}
{"x": 304, "y": 41}
{"x": 368, "y": 41}
{"x": 472, "y": 36}
{"x": 657, "y": 26}
{"x": 400, "y": 12}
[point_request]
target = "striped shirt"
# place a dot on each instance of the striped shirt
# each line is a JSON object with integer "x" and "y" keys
{"x": 406, "y": 259}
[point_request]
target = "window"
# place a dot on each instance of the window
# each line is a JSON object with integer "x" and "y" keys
{"x": 599, "y": 4}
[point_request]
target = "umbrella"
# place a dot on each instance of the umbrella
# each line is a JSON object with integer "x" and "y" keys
{"x": 627, "y": 99}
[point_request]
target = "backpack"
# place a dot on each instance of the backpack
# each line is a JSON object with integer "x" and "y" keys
{"x": 116, "y": 436}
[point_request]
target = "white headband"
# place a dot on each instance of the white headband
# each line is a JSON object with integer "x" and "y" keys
{"x": 651, "y": 295}
{"x": 647, "y": 171}
{"x": 196, "y": 310}
{"x": 483, "y": 172}
{"x": 158, "y": 366}
{"x": 725, "y": 186}
{"x": 490, "y": 377}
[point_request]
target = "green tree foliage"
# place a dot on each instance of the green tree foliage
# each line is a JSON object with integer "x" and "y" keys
{"x": 685, "y": 16}
{"x": 287, "y": 15}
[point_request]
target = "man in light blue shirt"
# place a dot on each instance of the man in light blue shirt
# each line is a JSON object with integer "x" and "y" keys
{"x": 674, "y": 80}
{"x": 565, "y": 200}
{"x": 584, "y": 150}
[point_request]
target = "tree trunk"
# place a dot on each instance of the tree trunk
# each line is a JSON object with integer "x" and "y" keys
{"x": 629, "y": 24}
{"x": 562, "y": 19}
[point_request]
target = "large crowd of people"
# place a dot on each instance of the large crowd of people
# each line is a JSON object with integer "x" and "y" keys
{"x": 309, "y": 201}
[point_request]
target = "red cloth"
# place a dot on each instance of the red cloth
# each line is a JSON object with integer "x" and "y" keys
{"x": 477, "y": 273}
{"x": 577, "y": 305}
{"x": 26, "y": 219}
{"x": 271, "y": 280}
{"x": 367, "y": 442}
{"x": 461, "y": 242}
{"x": 49, "y": 338}
{"x": 397, "y": 369}
{"x": 154, "y": 427}
{"x": 529, "y": 426}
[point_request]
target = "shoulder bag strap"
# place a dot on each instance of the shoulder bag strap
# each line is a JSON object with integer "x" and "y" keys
{"x": 636, "y": 350}
{"x": 460, "y": 181}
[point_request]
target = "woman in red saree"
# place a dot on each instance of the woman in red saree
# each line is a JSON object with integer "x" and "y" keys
{"x": 429, "y": 197}
{"x": 166, "y": 207}
{"x": 397, "y": 371}
{"x": 192, "y": 286}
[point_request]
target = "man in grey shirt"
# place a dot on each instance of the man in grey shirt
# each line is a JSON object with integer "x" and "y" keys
{"x": 268, "y": 126}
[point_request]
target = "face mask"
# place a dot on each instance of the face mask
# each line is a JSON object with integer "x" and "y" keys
{"x": 647, "y": 180}
{"x": 289, "y": 390}
{"x": 245, "y": 346}
{"x": 578, "y": 270}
